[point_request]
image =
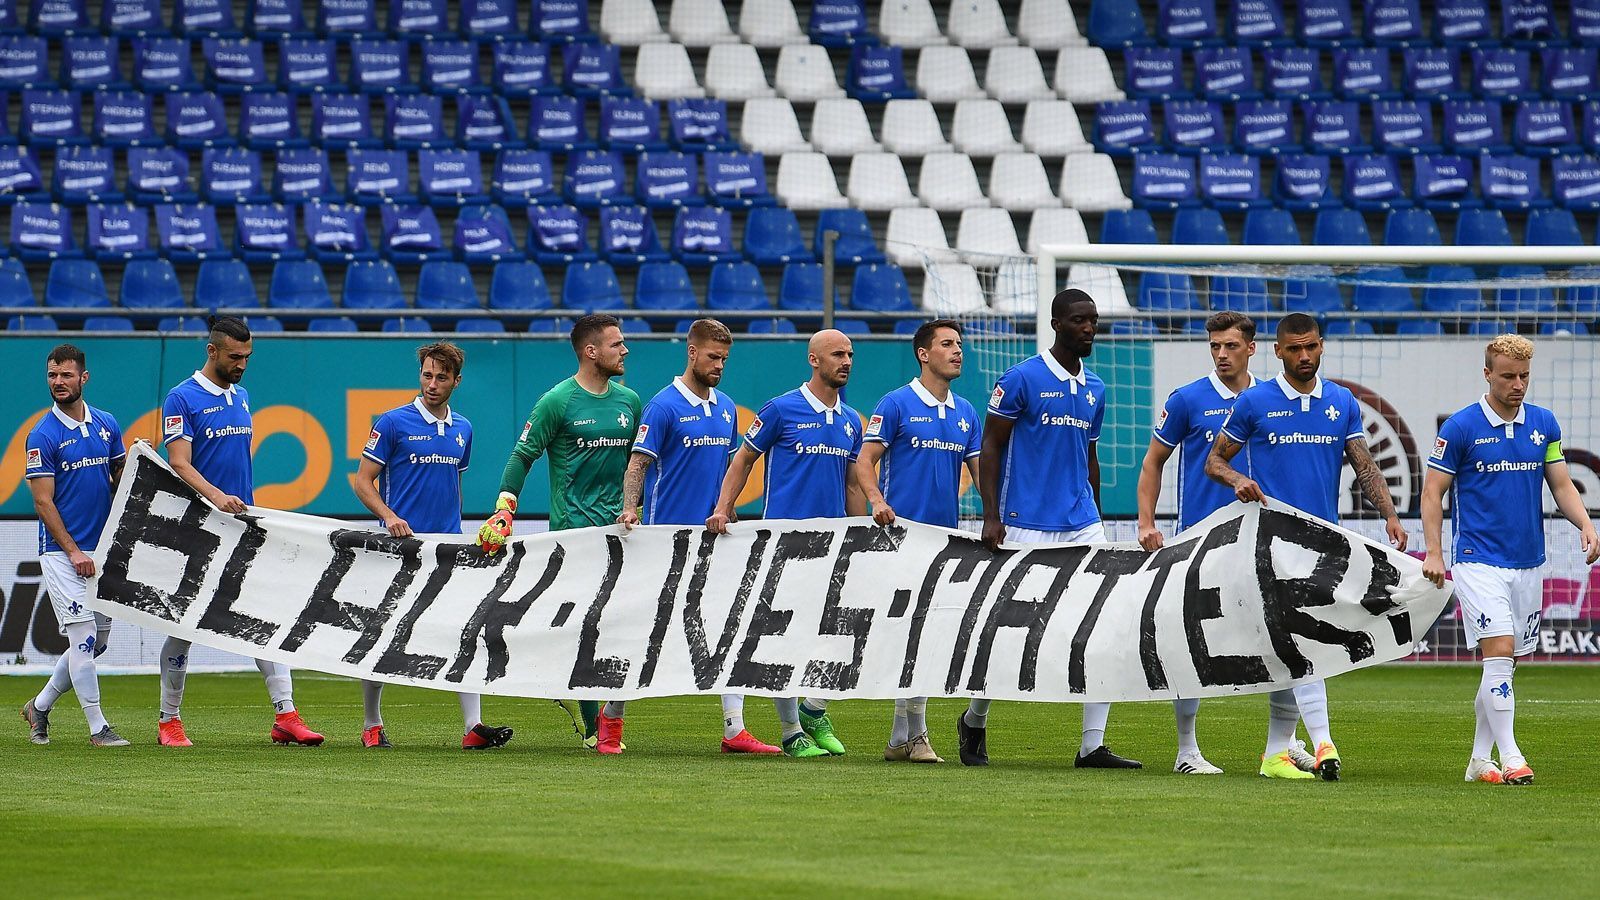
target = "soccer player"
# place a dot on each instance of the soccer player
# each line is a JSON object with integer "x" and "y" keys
{"x": 1188, "y": 423}
{"x": 75, "y": 456}
{"x": 1297, "y": 431}
{"x": 686, "y": 434}
{"x": 1039, "y": 477}
{"x": 586, "y": 425}
{"x": 410, "y": 478}
{"x": 912, "y": 453}
{"x": 1493, "y": 457}
{"x": 206, "y": 426}
{"x": 811, "y": 438}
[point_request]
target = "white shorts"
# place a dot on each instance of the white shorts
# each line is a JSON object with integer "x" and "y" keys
{"x": 67, "y": 589}
{"x": 1088, "y": 534}
{"x": 1498, "y": 602}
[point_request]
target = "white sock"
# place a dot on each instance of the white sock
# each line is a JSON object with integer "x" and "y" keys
{"x": 814, "y": 707}
{"x": 471, "y": 711}
{"x": 59, "y": 683}
{"x": 1282, "y": 716}
{"x": 732, "y": 715}
{"x": 174, "y": 668}
{"x": 1482, "y": 734}
{"x": 788, "y": 715}
{"x": 899, "y": 733}
{"x": 614, "y": 709}
{"x": 371, "y": 704}
{"x": 977, "y": 714}
{"x": 1312, "y": 698}
{"x": 1095, "y": 716}
{"x": 1499, "y": 701}
{"x": 280, "y": 685}
{"x": 80, "y": 668}
{"x": 1185, "y": 711}
{"x": 916, "y": 716}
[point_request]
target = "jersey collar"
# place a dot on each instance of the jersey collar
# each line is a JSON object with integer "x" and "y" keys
{"x": 949, "y": 402}
{"x": 817, "y": 406}
{"x": 689, "y": 397}
{"x": 68, "y": 421}
{"x": 1223, "y": 390}
{"x": 1305, "y": 399}
{"x": 213, "y": 389}
{"x": 1494, "y": 417}
{"x": 1079, "y": 380}
{"x": 430, "y": 418}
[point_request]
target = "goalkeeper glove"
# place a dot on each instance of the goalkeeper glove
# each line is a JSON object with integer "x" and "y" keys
{"x": 494, "y": 533}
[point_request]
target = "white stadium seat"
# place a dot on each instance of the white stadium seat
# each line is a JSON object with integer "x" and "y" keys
{"x": 630, "y": 22}
{"x": 769, "y": 126}
{"x": 1051, "y": 128}
{"x": 806, "y": 182}
{"x": 1048, "y": 25}
{"x": 911, "y": 128}
{"x": 700, "y": 23}
{"x": 663, "y": 72}
{"x": 909, "y": 23}
{"x": 1083, "y": 75}
{"x": 839, "y": 128}
{"x": 878, "y": 182}
{"x": 770, "y": 23}
{"x": 805, "y": 73}
{"x": 734, "y": 72}
{"x": 949, "y": 183}
{"x": 1104, "y": 284}
{"x": 1089, "y": 183}
{"x": 944, "y": 75}
{"x": 987, "y": 233}
{"x": 952, "y": 289}
{"x": 915, "y": 234}
{"x": 981, "y": 128}
{"x": 1014, "y": 75}
{"x": 1055, "y": 226}
{"x": 979, "y": 25}
{"x": 1018, "y": 183}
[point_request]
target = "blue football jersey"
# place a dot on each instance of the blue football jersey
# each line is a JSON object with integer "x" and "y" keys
{"x": 1294, "y": 443}
{"x": 689, "y": 441}
{"x": 1497, "y": 497}
{"x": 422, "y": 459}
{"x": 216, "y": 422}
{"x": 1189, "y": 421}
{"x": 79, "y": 456}
{"x": 809, "y": 449}
{"x": 1044, "y": 476}
{"x": 926, "y": 442}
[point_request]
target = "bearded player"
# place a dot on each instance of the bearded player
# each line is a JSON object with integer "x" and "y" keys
{"x": 207, "y": 429}
{"x": 1298, "y": 430}
{"x": 1040, "y": 482}
{"x": 586, "y": 425}
{"x": 810, "y": 438}
{"x": 1188, "y": 423}
{"x": 410, "y": 478}
{"x": 1494, "y": 457}
{"x": 686, "y": 434}
{"x": 917, "y": 442}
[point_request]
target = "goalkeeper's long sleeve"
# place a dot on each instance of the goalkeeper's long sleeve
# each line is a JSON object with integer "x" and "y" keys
{"x": 541, "y": 428}
{"x": 515, "y": 474}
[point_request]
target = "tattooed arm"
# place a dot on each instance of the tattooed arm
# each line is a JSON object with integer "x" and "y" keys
{"x": 1375, "y": 488}
{"x": 633, "y": 488}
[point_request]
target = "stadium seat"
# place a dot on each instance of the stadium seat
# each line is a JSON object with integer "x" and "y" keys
{"x": 411, "y": 234}
{"x": 406, "y": 325}
{"x": 1439, "y": 296}
{"x": 1511, "y": 182}
{"x": 123, "y": 118}
{"x": 1502, "y": 73}
{"x": 224, "y": 283}
{"x": 911, "y": 128}
{"x": 805, "y": 74}
{"x": 806, "y": 182}
{"x": 769, "y": 126}
{"x": 703, "y": 236}
{"x": 301, "y": 175}
{"x": 734, "y": 72}
{"x": 376, "y": 177}
{"x": 52, "y": 117}
{"x": 1363, "y": 73}
{"x": 1349, "y": 328}
{"x": 878, "y": 182}
{"x": 1482, "y": 228}
{"x": 952, "y": 289}
{"x": 188, "y": 232}
{"x": 1444, "y": 181}
{"x": 483, "y": 234}
{"x": 736, "y": 286}
{"x": 1340, "y": 227}
{"x": 1334, "y": 127}
{"x": 773, "y": 326}
{"x": 1312, "y": 290}
{"x": 772, "y": 236}
{"x": 664, "y": 286}
{"x": 1116, "y": 23}
{"x": 1127, "y": 226}
{"x": 840, "y": 24}
{"x": 591, "y": 287}
{"x": 518, "y": 285}
{"x": 700, "y": 23}
{"x": 1051, "y": 129}
{"x": 417, "y": 20}
{"x": 667, "y": 179}
{"x": 855, "y": 244}
{"x": 1165, "y": 292}
{"x": 485, "y": 123}
{"x": 163, "y": 64}
{"x": 1193, "y": 125}
{"x": 558, "y": 234}
{"x": 1293, "y": 73}
{"x": 1155, "y": 73}
{"x": 521, "y": 68}
{"x": 979, "y": 25}
{"x": 630, "y": 22}
{"x": 945, "y": 75}
{"x": 1187, "y": 23}
{"x": 628, "y": 236}
{"x": 877, "y": 74}
{"x": 1048, "y": 25}
{"x": 81, "y": 175}
{"x": 593, "y": 70}
{"x": 1404, "y": 126}
{"x": 737, "y": 180}
{"x": 522, "y": 178}
{"x": 107, "y": 323}
{"x": 332, "y": 325}
{"x": 231, "y": 175}
{"x": 1393, "y": 21}
{"x": 43, "y": 231}
{"x": 1231, "y": 181}
{"x": 560, "y": 20}
{"x": 1570, "y": 73}
{"x": 1552, "y": 228}
{"x": 1432, "y": 73}
{"x": 1388, "y": 291}
{"x": 1461, "y": 22}
{"x": 1372, "y": 182}
{"x": 480, "y": 326}
{"x": 1270, "y": 227}
{"x": 31, "y": 322}
{"x": 910, "y": 23}
{"x": 342, "y": 120}
{"x": 1530, "y": 297}
{"x": 630, "y": 125}
{"x": 298, "y": 285}
{"x": 880, "y": 287}
{"x": 1054, "y": 227}
{"x": 1197, "y": 225}
{"x": 380, "y": 67}
{"x": 1225, "y": 73}
{"x": 1161, "y": 181}
{"x": 595, "y": 178}
{"x": 186, "y": 324}
{"x": 987, "y": 232}
{"x": 336, "y": 232}
{"x": 150, "y": 284}
{"x": 1241, "y": 293}
{"x": 372, "y": 285}
{"x": 839, "y": 128}
{"x": 1083, "y": 75}
{"x": 446, "y": 286}
{"x": 411, "y": 121}
{"x": 307, "y": 65}
{"x": 770, "y": 23}
{"x": 1412, "y": 228}
{"x": 557, "y": 124}
{"x": 914, "y": 232}
{"x": 265, "y": 232}
{"x": 1544, "y": 128}
{"x": 800, "y": 289}
{"x": 949, "y": 183}
{"x": 981, "y": 128}
{"x": 1089, "y": 183}
{"x": 1014, "y": 75}
{"x": 1017, "y": 182}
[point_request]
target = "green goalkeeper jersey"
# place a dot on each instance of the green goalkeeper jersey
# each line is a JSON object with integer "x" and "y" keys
{"x": 588, "y": 438}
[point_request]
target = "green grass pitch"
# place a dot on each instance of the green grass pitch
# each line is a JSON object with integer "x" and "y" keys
{"x": 672, "y": 817}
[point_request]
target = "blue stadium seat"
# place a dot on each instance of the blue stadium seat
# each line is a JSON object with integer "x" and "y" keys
{"x": 270, "y": 121}
{"x": 1412, "y": 227}
{"x": 333, "y": 325}
{"x": 183, "y": 324}
{"x": 664, "y": 286}
{"x": 107, "y": 323}
{"x": 1577, "y": 181}
{"x": 1231, "y": 181}
{"x": 1167, "y": 292}
{"x": 703, "y": 236}
{"x": 377, "y": 177}
{"x": 523, "y": 178}
{"x": 450, "y": 67}
{"x": 298, "y": 284}
{"x": 1529, "y": 23}
{"x": 592, "y": 69}
{"x": 163, "y": 63}
{"x": 43, "y": 231}
{"x": 92, "y": 62}
{"x": 1432, "y": 73}
{"x": 123, "y": 118}
{"x": 1333, "y": 127}
{"x": 1502, "y": 73}
{"x": 1257, "y": 23}
{"x": 591, "y": 287}
{"x": 773, "y": 326}
{"x": 1155, "y": 73}
{"x": 1270, "y": 227}
{"x": 1312, "y": 290}
{"x": 1164, "y": 181}
{"x": 1571, "y": 73}
{"x": 840, "y": 24}
{"x": 1121, "y": 127}
{"x": 131, "y": 18}
{"x": 737, "y": 179}
{"x": 1127, "y": 226}
{"x": 1199, "y": 226}
{"x": 1134, "y": 327}
{"x": 446, "y": 286}
{"x": 450, "y": 177}
{"x": 484, "y": 122}
{"x": 851, "y": 326}
{"x": 521, "y": 69}
{"x": 483, "y": 235}
{"x": 855, "y": 244}
{"x": 668, "y": 178}
{"x": 1531, "y": 298}
{"x": 264, "y": 324}
{"x": 877, "y": 74}
{"x": 558, "y": 234}
{"x": 418, "y": 20}
{"x": 1349, "y": 328}
{"x": 372, "y": 285}
{"x": 736, "y": 286}
{"x": 265, "y": 232}
{"x": 1372, "y": 182}
{"x": 801, "y": 288}
{"x": 1241, "y": 293}
{"x": 628, "y": 236}
{"x": 411, "y": 234}
{"x": 1552, "y": 228}
{"x": 1225, "y": 73}
{"x": 1193, "y": 125}
{"x": 150, "y": 284}
{"x": 480, "y": 326}
{"x": 301, "y": 175}
{"x": 1404, "y": 126}
{"x": 1363, "y": 73}
{"x": 343, "y": 120}
{"x": 630, "y": 124}
{"x": 406, "y": 325}
{"x": 557, "y": 325}
{"x": 1344, "y": 227}
{"x": 347, "y": 19}
{"x": 772, "y": 237}
{"x": 700, "y": 124}
{"x": 31, "y": 322}
{"x": 224, "y": 283}
{"x": 518, "y": 285}
{"x": 16, "y": 288}
{"x": 1440, "y": 296}
{"x": 1324, "y": 22}
{"x": 1482, "y": 228}
{"x": 1393, "y": 21}
{"x": 306, "y": 64}
{"x": 1511, "y": 182}
{"x": 1544, "y": 128}
{"x": 1392, "y": 295}
{"x": 196, "y": 120}
{"x": 880, "y": 288}
{"x": 20, "y": 167}
{"x": 75, "y": 283}
{"x": 336, "y": 233}
{"x": 1444, "y": 181}
{"x": 84, "y": 175}
{"x": 560, "y": 20}
{"x": 1187, "y": 23}
{"x": 1420, "y": 328}
{"x": 1264, "y": 127}
{"x": 1293, "y": 73}
{"x": 1304, "y": 182}
{"x": 411, "y": 121}
{"x": 188, "y": 231}
{"x": 1563, "y": 329}
{"x": 234, "y": 65}
{"x": 1117, "y": 23}
{"x": 1461, "y": 22}
{"x": 595, "y": 178}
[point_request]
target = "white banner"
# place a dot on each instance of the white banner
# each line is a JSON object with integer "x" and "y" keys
{"x": 1251, "y": 600}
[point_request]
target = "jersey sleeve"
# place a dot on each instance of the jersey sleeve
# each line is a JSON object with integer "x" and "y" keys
{"x": 857, "y": 435}
{"x": 1552, "y": 451}
{"x": 1241, "y": 421}
{"x": 1097, "y": 421}
{"x": 1449, "y": 448}
{"x": 654, "y": 424}
{"x": 466, "y": 449}
{"x": 380, "y": 442}
{"x": 119, "y": 449}
{"x": 884, "y": 423}
{"x": 1008, "y": 400}
{"x": 175, "y": 420}
{"x": 542, "y": 426}
{"x": 974, "y": 437}
{"x": 1172, "y": 422}
{"x": 1358, "y": 428}
{"x": 765, "y": 429}
{"x": 41, "y": 456}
